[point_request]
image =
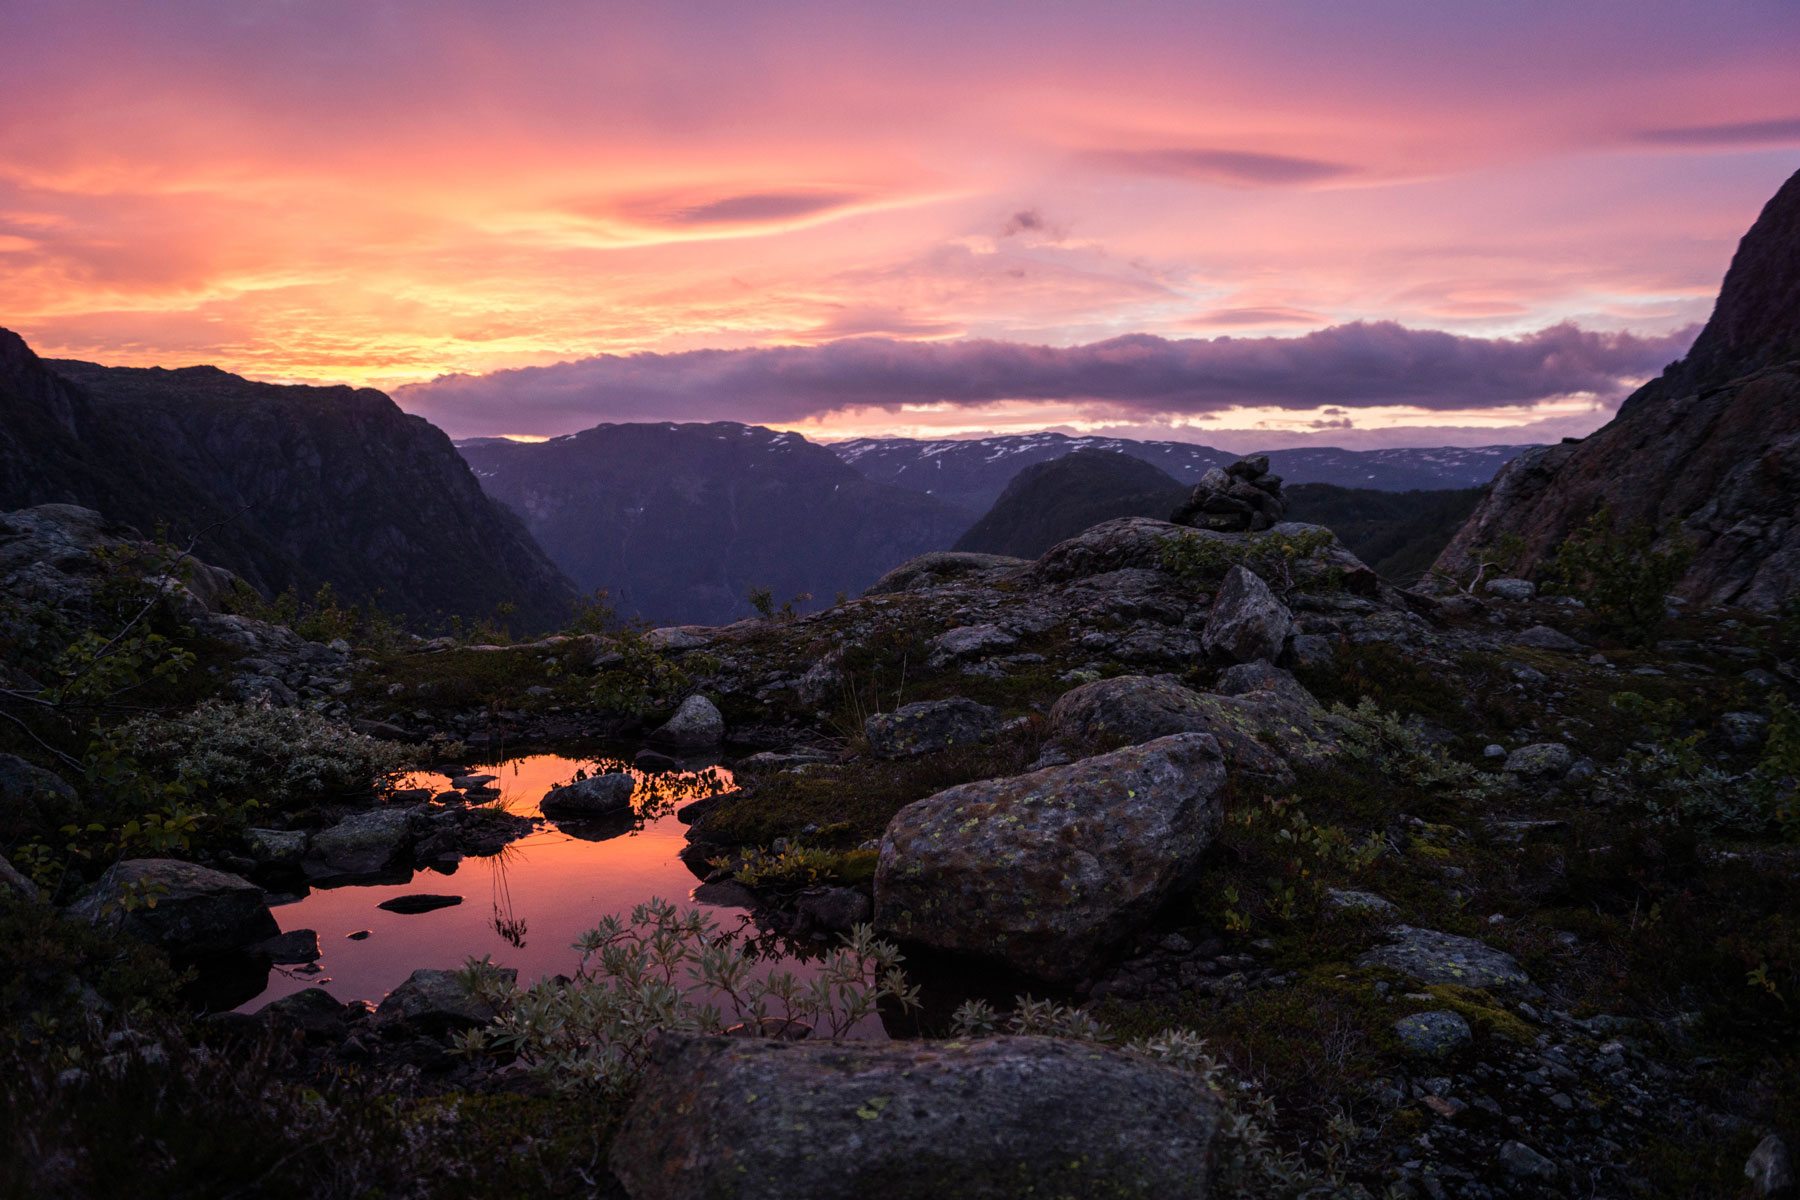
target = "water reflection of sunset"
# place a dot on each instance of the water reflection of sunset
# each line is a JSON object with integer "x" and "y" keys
{"x": 525, "y": 906}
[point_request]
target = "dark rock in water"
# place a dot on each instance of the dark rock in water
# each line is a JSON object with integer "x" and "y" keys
{"x": 596, "y": 796}
{"x": 437, "y": 1000}
{"x": 696, "y": 725}
{"x": 929, "y": 726}
{"x": 312, "y": 1011}
{"x": 419, "y": 902}
{"x": 830, "y": 910}
{"x": 989, "y": 1119}
{"x": 726, "y": 893}
{"x": 294, "y": 946}
{"x": 198, "y": 911}
{"x": 653, "y": 760}
{"x": 1047, "y": 871}
{"x": 1243, "y": 497}
{"x": 1247, "y": 622}
{"x": 1711, "y": 446}
{"x": 363, "y": 843}
{"x": 361, "y": 935}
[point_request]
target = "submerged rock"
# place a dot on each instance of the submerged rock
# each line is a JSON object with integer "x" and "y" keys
{"x": 764, "y": 1119}
{"x": 929, "y": 726}
{"x": 419, "y": 902}
{"x": 1047, "y": 871}
{"x": 197, "y": 910}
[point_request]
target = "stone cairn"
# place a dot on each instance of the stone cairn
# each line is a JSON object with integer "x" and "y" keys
{"x": 1242, "y": 498}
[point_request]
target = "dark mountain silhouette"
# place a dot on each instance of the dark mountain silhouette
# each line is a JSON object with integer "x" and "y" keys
{"x": 1050, "y": 501}
{"x": 1712, "y": 446}
{"x": 1396, "y": 533}
{"x": 286, "y": 486}
{"x": 679, "y": 522}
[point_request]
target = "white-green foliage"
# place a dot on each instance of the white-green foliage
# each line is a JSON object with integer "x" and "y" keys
{"x": 1250, "y": 1161}
{"x": 1370, "y": 734}
{"x": 662, "y": 969}
{"x": 282, "y": 757}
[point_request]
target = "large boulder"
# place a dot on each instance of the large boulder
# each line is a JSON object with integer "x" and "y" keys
{"x": 1111, "y": 546}
{"x": 183, "y": 907}
{"x": 763, "y": 1119}
{"x": 12, "y": 883}
{"x": 1247, "y": 622}
{"x": 1262, "y": 732}
{"x": 31, "y": 799}
{"x": 940, "y": 567}
{"x": 596, "y": 796}
{"x": 364, "y": 843}
{"x": 696, "y": 725}
{"x": 1047, "y": 871}
{"x": 929, "y": 726}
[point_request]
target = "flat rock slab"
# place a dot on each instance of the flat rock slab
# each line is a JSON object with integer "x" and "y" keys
{"x": 420, "y": 902}
{"x": 1431, "y": 957}
{"x": 762, "y": 1119}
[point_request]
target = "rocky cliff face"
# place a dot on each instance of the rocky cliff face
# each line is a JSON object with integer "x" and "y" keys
{"x": 1711, "y": 446}
{"x": 679, "y": 522}
{"x": 286, "y": 486}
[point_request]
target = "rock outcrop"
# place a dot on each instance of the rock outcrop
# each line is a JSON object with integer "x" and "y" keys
{"x": 1711, "y": 447}
{"x": 1047, "y": 871}
{"x": 180, "y": 906}
{"x": 764, "y": 1119}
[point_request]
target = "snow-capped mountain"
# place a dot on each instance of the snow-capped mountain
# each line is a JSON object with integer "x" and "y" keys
{"x": 971, "y": 474}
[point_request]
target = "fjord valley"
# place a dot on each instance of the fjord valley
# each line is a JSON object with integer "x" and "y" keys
{"x": 853, "y": 602}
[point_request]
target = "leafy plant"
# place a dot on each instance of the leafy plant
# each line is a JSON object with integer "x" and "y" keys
{"x": 795, "y": 867}
{"x": 762, "y": 599}
{"x": 1201, "y": 560}
{"x": 664, "y": 969}
{"x": 1623, "y": 576}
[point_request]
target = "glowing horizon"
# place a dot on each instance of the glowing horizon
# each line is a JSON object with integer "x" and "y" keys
{"x": 387, "y": 195}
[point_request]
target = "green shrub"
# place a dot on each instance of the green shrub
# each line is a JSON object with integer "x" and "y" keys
{"x": 1203, "y": 561}
{"x": 797, "y": 867}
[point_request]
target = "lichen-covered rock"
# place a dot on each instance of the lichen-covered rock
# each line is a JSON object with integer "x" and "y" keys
{"x": 1542, "y": 760}
{"x": 1047, "y": 871}
{"x": 970, "y": 641}
{"x": 438, "y": 1000}
{"x": 1111, "y": 546}
{"x": 696, "y": 725}
{"x": 276, "y": 847}
{"x": 1247, "y": 622}
{"x": 929, "y": 726}
{"x": 197, "y": 910}
{"x": 1433, "y": 1034}
{"x": 1261, "y": 732}
{"x": 363, "y": 843}
{"x": 1431, "y": 957}
{"x": 989, "y": 1119}
{"x": 595, "y": 796}
{"x": 1515, "y": 590}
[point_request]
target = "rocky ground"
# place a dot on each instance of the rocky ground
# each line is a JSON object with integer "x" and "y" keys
{"x": 1465, "y": 896}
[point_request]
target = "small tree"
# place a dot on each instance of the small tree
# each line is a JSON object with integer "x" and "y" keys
{"x": 1623, "y": 576}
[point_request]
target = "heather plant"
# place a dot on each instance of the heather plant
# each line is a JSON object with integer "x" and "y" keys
{"x": 1369, "y": 734}
{"x": 1201, "y": 560}
{"x": 665, "y": 970}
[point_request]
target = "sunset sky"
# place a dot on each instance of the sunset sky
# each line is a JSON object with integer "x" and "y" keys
{"x": 1416, "y": 222}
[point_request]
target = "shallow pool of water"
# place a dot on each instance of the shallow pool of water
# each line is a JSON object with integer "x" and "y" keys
{"x": 525, "y": 907}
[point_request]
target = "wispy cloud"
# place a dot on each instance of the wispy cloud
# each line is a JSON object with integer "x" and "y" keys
{"x": 1234, "y": 168}
{"x": 1781, "y": 131}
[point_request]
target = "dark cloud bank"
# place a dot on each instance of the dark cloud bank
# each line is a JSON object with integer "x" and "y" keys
{"x": 1355, "y": 365}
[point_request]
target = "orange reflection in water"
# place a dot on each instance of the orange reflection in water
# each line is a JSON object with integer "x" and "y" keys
{"x": 524, "y": 906}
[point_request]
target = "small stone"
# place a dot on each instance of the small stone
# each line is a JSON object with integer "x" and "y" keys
{"x": 1542, "y": 637}
{"x": 1518, "y": 1159}
{"x": 1515, "y": 590}
{"x": 1350, "y": 900}
{"x": 696, "y": 724}
{"x": 359, "y": 936}
{"x": 1544, "y": 760}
